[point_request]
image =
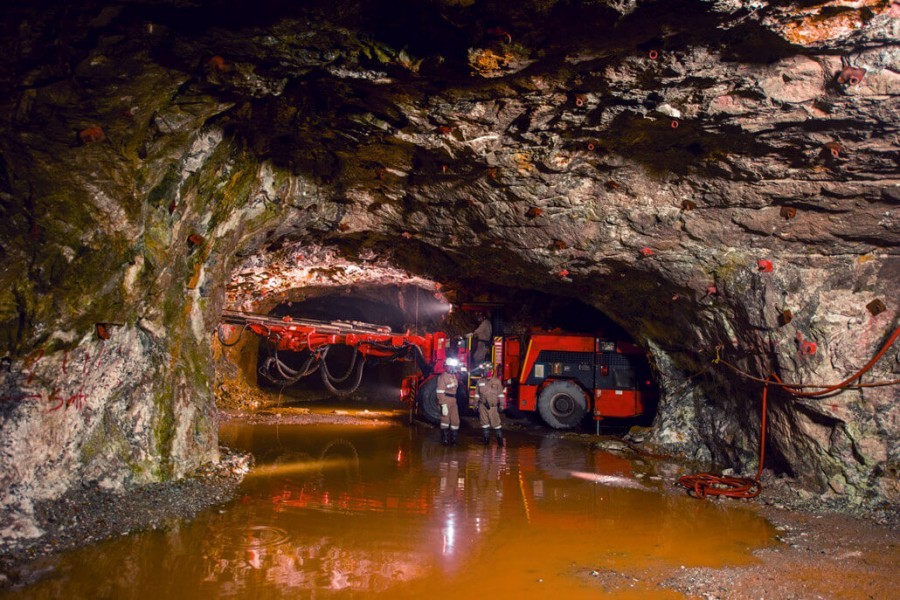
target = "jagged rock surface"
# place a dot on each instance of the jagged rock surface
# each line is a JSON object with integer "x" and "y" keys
{"x": 642, "y": 156}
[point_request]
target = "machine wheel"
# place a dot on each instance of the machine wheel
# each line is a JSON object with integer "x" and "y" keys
{"x": 426, "y": 400}
{"x": 562, "y": 405}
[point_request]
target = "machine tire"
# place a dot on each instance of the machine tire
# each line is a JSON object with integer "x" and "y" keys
{"x": 426, "y": 400}
{"x": 562, "y": 404}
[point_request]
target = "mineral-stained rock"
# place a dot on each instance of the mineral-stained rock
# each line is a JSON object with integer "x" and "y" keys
{"x": 328, "y": 145}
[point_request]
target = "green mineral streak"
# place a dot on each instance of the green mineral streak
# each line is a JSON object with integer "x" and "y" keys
{"x": 155, "y": 244}
{"x": 106, "y": 439}
{"x": 164, "y": 192}
{"x": 378, "y": 53}
{"x": 230, "y": 186}
{"x": 55, "y": 295}
{"x": 163, "y": 433}
{"x": 728, "y": 270}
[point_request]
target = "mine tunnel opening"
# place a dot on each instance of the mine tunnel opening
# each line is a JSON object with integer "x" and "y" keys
{"x": 564, "y": 364}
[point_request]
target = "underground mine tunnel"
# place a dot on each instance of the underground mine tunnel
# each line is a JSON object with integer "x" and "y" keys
{"x": 679, "y": 218}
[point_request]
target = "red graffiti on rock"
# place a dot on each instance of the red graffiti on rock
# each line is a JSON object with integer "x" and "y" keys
{"x": 55, "y": 398}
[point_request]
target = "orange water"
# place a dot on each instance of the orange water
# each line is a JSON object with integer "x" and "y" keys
{"x": 385, "y": 510}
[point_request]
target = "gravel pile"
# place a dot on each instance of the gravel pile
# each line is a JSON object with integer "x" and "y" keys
{"x": 89, "y": 515}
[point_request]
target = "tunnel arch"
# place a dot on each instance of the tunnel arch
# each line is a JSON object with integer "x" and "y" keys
{"x": 409, "y": 306}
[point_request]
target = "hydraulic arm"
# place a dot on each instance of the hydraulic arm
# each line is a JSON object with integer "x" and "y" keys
{"x": 317, "y": 337}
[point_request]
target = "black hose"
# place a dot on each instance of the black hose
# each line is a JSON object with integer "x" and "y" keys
{"x": 287, "y": 372}
{"x": 346, "y": 375}
{"x": 407, "y": 351}
{"x": 287, "y": 375}
{"x": 328, "y": 380}
{"x": 421, "y": 362}
{"x": 273, "y": 366}
{"x": 223, "y": 342}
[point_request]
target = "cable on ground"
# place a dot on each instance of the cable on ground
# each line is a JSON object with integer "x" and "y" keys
{"x": 707, "y": 484}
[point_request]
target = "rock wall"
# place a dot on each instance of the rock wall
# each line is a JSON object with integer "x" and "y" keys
{"x": 712, "y": 175}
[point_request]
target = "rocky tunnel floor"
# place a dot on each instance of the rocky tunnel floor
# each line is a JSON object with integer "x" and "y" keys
{"x": 347, "y": 497}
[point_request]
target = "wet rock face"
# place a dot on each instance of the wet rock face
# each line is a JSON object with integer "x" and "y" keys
{"x": 716, "y": 174}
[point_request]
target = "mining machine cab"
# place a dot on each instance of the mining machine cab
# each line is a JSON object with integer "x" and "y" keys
{"x": 565, "y": 376}
{"x": 560, "y": 375}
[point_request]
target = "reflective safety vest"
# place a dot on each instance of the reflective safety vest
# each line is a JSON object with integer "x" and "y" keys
{"x": 491, "y": 392}
{"x": 446, "y": 387}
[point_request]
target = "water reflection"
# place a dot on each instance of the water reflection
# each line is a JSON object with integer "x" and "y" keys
{"x": 331, "y": 510}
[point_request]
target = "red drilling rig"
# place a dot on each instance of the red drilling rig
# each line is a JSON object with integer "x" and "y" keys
{"x": 286, "y": 334}
{"x": 562, "y": 376}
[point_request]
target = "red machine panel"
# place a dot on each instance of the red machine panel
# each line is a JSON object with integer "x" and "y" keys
{"x": 617, "y": 403}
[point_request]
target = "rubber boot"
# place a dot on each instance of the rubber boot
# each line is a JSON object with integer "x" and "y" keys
{"x": 499, "y": 438}
{"x": 453, "y": 433}
{"x": 445, "y": 437}
{"x": 485, "y": 436}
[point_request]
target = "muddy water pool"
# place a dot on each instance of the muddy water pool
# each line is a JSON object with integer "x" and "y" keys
{"x": 384, "y": 509}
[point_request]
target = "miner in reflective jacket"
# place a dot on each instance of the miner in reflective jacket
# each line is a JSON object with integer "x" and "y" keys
{"x": 446, "y": 397}
{"x": 481, "y": 344}
{"x": 490, "y": 397}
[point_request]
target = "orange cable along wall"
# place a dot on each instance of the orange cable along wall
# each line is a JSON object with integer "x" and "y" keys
{"x": 707, "y": 484}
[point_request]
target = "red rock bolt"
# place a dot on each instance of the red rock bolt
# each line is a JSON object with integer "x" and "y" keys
{"x": 218, "y": 63}
{"x": 788, "y": 212}
{"x": 91, "y": 134}
{"x": 647, "y": 251}
{"x": 579, "y": 100}
{"x": 851, "y": 75}
{"x": 102, "y": 331}
{"x": 591, "y": 146}
{"x": 675, "y": 124}
{"x": 195, "y": 239}
{"x": 500, "y": 32}
{"x": 653, "y": 54}
{"x": 876, "y": 307}
{"x": 835, "y": 149}
{"x": 764, "y": 265}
